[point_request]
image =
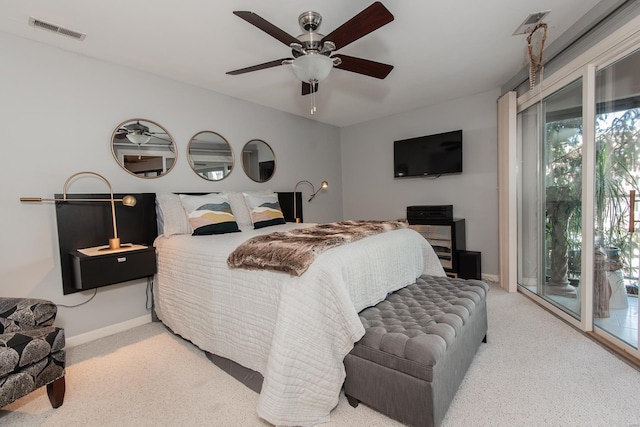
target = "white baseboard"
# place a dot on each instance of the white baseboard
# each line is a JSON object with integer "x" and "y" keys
{"x": 106, "y": 331}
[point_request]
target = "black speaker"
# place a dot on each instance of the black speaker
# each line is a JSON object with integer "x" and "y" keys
{"x": 469, "y": 265}
{"x": 418, "y": 214}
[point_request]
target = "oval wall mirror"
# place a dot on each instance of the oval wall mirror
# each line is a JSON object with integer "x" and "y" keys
{"x": 143, "y": 148}
{"x": 210, "y": 155}
{"x": 258, "y": 160}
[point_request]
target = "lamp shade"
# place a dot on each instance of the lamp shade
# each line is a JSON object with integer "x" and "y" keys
{"x": 137, "y": 138}
{"x": 312, "y": 68}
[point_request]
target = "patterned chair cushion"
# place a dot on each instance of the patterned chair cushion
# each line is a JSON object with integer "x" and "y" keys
{"x": 25, "y": 313}
{"x": 31, "y": 348}
{"x": 43, "y": 372}
{"x": 20, "y": 349}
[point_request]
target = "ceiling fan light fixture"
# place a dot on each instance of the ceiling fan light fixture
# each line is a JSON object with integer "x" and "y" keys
{"x": 137, "y": 138}
{"x": 312, "y": 68}
{"x": 312, "y": 50}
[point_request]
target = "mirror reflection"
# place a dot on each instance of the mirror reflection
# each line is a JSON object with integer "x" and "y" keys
{"x": 143, "y": 148}
{"x": 210, "y": 155}
{"x": 258, "y": 160}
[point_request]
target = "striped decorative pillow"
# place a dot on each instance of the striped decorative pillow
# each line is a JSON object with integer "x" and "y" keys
{"x": 209, "y": 214}
{"x": 264, "y": 209}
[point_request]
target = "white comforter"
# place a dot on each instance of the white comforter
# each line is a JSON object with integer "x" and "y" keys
{"x": 295, "y": 331}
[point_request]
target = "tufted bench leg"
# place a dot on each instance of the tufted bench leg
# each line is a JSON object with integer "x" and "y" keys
{"x": 55, "y": 391}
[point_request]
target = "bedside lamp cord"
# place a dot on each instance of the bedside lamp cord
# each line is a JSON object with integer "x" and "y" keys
{"x": 82, "y": 303}
{"x": 149, "y": 295}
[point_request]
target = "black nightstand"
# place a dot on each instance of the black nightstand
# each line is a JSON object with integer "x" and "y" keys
{"x": 106, "y": 269}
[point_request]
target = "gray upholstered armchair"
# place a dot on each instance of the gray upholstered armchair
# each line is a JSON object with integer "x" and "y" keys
{"x": 31, "y": 350}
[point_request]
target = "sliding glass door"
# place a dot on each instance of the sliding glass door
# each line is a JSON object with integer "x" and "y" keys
{"x": 577, "y": 193}
{"x": 617, "y": 173}
{"x": 562, "y": 154}
{"x": 529, "y": 201}
{"x": 578, "y": 154}
{"x": 549, "y": 202}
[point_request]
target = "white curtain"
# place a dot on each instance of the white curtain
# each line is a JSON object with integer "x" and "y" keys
{"x": 507, "y": 220}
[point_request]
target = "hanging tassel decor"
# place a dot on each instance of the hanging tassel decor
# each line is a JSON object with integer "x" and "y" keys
{"x": 535, "y": 59}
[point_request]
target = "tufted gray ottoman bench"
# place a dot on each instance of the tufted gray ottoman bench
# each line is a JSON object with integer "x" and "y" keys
{"x": 418, "y": 345}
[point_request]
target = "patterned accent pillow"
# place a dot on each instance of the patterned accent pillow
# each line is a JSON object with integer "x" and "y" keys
{"x": 264, "y": 209}
{"x": 209, "y": 214}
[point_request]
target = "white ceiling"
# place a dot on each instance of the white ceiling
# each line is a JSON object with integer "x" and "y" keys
{"x": 441, "y": 50}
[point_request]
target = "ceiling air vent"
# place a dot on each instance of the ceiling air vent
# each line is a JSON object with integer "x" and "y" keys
{"x": 530, "y": 22}
{"x": 38, "y": 23}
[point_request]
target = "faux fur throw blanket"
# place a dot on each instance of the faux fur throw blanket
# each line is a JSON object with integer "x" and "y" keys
{"x": 293, "y": 251}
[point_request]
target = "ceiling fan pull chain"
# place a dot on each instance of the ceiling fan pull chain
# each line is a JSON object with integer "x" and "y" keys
{"x": 313, "y": 97}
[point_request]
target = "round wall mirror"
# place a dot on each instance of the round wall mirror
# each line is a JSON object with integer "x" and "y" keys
{"x": 258, "y": 160}
{"x": 210, "y": 155}
{"x": 143, "y": 148}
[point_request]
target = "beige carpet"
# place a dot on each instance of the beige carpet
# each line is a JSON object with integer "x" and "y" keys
{"x": 534, "y": 371}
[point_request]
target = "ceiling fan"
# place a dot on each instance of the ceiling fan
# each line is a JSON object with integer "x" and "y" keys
{"x": 138, "y": 133}
{"x": 313, "y": 53}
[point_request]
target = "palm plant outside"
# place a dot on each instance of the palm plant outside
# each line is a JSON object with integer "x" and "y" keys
{"x": 616, "y": 173}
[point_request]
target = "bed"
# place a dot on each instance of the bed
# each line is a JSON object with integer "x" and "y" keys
{"x": 293, "y": 330}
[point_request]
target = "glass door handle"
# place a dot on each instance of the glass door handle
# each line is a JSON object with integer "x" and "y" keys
{"x": 632, "y": 205}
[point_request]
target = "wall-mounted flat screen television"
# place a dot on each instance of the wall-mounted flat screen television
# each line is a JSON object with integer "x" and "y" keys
{"x": 430, "y": 155}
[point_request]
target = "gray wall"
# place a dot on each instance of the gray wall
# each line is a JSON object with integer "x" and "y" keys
{"x": 58, "y": 111}
{"x": 371, "y": 192}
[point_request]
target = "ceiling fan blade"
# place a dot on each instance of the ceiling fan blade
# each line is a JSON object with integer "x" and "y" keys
{"x": 267, "y": 27}
{"x": 363, "y": 66}
{"x": 269, "y": 64}
{"x": 370, "y": 19}
{"x": 306, "y": 88}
